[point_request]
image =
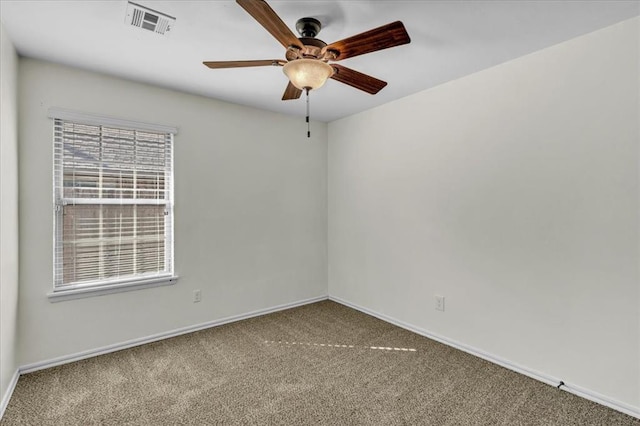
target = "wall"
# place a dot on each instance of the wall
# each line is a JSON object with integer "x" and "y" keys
{"x": 8, "y": 211}
{"x": 250, "y": 213}
{"x": 512, "y": 192}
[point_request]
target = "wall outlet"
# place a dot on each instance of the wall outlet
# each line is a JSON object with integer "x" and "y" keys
{"x": 440, "y": 303}
{"x": 197, "y": 296}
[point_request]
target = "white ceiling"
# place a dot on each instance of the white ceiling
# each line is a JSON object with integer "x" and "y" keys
{"x": 450, "y": 39}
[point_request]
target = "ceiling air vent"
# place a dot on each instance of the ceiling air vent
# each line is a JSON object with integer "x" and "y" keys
{"x": 148, "y": 19}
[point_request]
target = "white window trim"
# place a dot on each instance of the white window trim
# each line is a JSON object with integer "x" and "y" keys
{"x": 87, "y": 290}
{"x": 120, "y": 287}
{"x": 100, "y": 120}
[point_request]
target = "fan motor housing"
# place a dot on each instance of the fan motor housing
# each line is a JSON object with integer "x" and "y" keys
{"x": 311, "y": 41}
{"x": 311, "y": 48}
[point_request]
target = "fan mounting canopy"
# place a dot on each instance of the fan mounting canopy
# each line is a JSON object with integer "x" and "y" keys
{"x": 308, "y": 27}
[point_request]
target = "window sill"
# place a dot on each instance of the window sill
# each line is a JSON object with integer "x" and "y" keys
{"x": 81, "y": 293}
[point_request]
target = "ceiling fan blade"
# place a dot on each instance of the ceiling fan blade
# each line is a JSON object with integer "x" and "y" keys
{"x": 384, "y": 37}
{"x": 241, "y": 64}
{"x": 357, "y": 79}
{"x": 263, "y": 13}
{"x": 291, "y": 92}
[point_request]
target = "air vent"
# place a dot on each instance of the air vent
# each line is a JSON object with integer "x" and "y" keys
{"x": 149, "y": 19}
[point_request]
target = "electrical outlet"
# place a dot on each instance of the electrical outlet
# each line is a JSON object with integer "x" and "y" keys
{"x": 440, "y": 303}
{"x": 197, "y": 296}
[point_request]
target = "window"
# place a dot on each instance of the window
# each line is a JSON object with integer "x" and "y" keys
{"x": 113, "y": 199}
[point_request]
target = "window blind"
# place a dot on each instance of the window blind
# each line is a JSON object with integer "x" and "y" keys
{"x": 113, "y": 195}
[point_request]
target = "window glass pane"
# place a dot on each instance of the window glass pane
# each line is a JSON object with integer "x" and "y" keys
{"x": 102, "y": 242}
{"x": 102, "y": 162}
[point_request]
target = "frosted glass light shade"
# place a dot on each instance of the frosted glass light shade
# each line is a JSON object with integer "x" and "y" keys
{"x": 307, "y": 73}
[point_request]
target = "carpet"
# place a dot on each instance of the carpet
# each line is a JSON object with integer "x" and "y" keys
{"x": 318, "y": 364}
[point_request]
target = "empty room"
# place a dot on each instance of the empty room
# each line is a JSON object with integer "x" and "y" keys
{"x": 320, "y": 212}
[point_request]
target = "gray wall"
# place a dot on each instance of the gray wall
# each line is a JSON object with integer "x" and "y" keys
{"x": 512, "y": 192}
{"x": 250, "y": 213}
{"x": 8, "y": 210}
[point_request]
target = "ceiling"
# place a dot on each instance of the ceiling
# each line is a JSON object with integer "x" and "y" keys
{"x": 450, "y": 39}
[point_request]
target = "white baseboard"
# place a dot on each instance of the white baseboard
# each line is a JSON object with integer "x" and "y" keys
{"x": 553, "y": 381}
{"x": 602, "y": 399}
{"x": 65, "y": 359}
{"x": 7, "y": 395}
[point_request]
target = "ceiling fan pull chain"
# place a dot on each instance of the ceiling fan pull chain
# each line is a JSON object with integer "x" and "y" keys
{"x": 308, "y": 123}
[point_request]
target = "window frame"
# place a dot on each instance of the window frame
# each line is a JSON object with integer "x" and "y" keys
{"x": 100, "y": 287}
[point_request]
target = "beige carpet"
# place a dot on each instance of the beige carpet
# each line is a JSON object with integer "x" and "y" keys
{"x": 318, "y": 364}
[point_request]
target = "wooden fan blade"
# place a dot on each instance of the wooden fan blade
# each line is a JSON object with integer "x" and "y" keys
{"x": 266, "y": 17}
{"x": 241, "y": 64}
{"x": 357, "y": 79}
{"x": 291, "y": 92}
{"x": 384, "y": 37}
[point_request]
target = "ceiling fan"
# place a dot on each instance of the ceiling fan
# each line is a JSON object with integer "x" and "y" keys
{"x": 307, "y": 58}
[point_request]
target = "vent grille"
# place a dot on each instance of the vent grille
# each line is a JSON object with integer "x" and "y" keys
{"x": 149, "y": 19}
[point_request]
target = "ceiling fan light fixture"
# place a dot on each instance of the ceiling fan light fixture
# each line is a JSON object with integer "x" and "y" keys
{"x": 307, "y": 73}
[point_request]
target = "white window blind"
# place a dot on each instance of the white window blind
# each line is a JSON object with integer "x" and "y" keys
{"x": 113, "y": 195}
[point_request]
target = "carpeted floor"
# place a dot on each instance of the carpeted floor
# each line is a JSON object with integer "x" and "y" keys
{"x": 318, "y": 364}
